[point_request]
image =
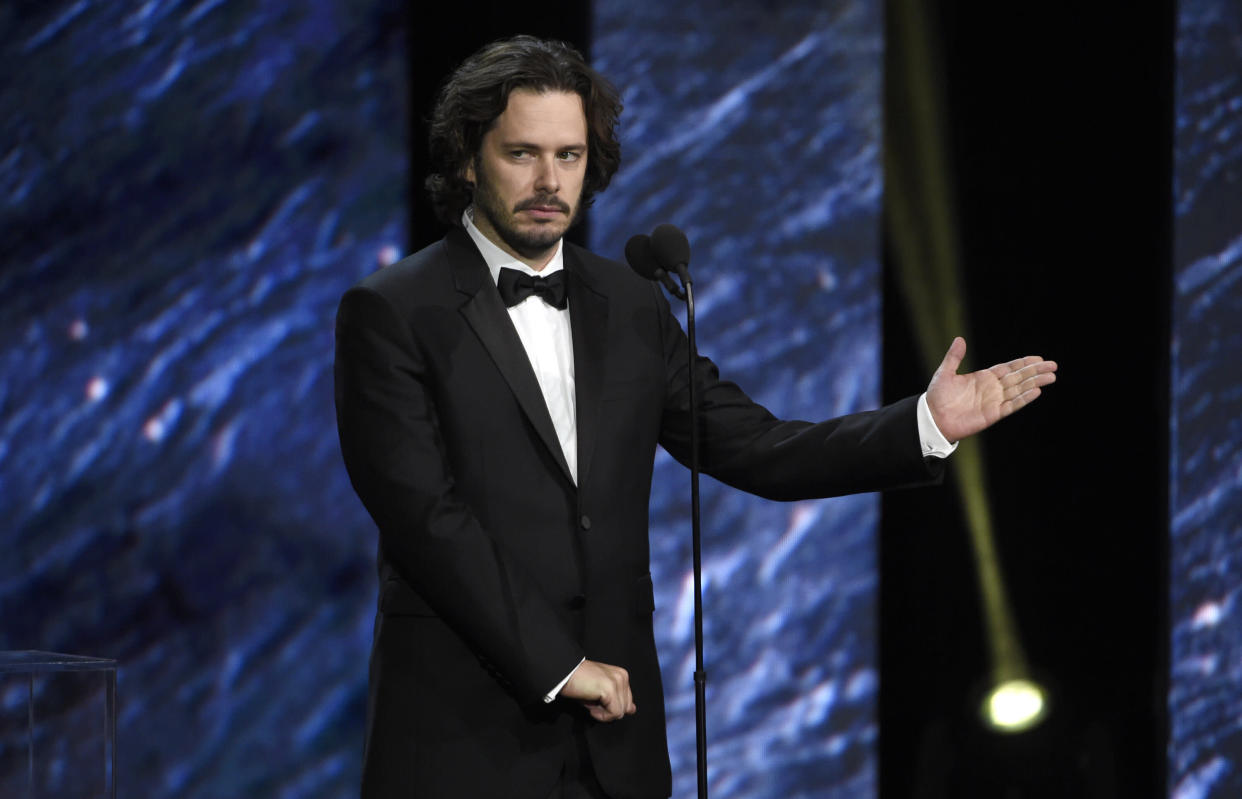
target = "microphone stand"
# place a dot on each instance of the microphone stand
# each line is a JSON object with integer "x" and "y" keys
{"x": 676, "y": 250}
{"x": 696, "y": 536}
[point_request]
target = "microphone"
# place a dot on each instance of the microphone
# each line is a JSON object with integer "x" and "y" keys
{"x": 668, "y": 250}
{"x": 671, "y": 249}
{"x": 639, "y": 255}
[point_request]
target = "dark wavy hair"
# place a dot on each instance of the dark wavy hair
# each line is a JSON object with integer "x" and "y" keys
{"x": 477, "y": 93}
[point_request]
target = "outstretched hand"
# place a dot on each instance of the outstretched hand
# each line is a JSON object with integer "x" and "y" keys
{"x": 962, "y": 405}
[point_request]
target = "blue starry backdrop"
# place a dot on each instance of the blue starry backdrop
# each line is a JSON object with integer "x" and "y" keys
{"x": 187, "y": 187}
{"x": 758, "y": 133}
{"x": 1205, "y": 702}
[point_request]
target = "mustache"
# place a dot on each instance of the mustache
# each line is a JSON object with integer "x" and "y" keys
{"x": 545, "y": 201}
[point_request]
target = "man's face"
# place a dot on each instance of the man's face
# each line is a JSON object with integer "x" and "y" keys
{"x": 528, "y": 174}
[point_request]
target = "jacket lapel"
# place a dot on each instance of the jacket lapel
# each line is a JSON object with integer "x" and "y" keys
{"x": 588, "y": 323}
{"x": 488, "y": 317}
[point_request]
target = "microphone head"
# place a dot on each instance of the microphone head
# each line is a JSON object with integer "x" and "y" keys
{"x": 640, "y": 258}
{"x": 670, "y": 247}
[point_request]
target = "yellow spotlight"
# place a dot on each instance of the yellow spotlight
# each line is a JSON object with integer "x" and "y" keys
{"x": 1015, "y": 706}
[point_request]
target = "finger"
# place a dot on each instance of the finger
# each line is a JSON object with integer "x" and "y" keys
{"x": 1013, "y": 367}
{"x": 615, "y": 712}
{"x": 1021, "y": 401}
{"x": 1022, "y": 366}
{"x": 1027, "y": 380}
{"x": 1033, "y": 364}
{"x": 1038, "y": 380}
{"x": 953, "y": 357}
{"x": 605, "y": 714}
{"x": 624, "y": 695}
{"x": 604, "y": 710}
{"x": 1038, "y": 368}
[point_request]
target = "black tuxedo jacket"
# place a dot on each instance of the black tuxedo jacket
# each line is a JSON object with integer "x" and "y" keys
{"x": 497, "y": 572}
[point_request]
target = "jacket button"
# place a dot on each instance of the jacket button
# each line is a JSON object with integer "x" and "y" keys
{"x": 577, "y": 602}
{"x": 585, "y": 521}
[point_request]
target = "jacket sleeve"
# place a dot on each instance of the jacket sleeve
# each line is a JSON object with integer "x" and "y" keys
{"x": 395, "y": 456}
{"x": 742, "y": 444}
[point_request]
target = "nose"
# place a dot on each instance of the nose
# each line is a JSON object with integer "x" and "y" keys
{"x": 547, "y": 180}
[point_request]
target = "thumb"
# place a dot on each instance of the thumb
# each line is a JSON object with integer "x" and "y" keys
{"x": 953, "y": 358}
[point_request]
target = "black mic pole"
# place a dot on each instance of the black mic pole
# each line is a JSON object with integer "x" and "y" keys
{"x": 672, "y": 251}
{"x": 654, "y": 257}
{"x": 696, "y": 535}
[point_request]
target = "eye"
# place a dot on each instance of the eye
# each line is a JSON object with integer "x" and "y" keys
{"x": 519, "y": 154}
{"x": 569, "y": 155}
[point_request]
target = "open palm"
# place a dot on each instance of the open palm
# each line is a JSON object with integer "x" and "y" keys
{"x": 964, "y": 404}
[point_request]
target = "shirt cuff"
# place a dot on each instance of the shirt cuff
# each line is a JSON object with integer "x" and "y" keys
{"x": 933, "y": 442}
{"x": 553, "y": 693}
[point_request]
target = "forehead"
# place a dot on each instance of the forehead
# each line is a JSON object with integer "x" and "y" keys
{"x": 555, "y": 118}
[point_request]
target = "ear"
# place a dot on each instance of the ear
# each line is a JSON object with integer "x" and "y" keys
{"x": 468, "y": 173}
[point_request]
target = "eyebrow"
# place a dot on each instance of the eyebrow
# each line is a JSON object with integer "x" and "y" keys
{"x": 525, "y": 145}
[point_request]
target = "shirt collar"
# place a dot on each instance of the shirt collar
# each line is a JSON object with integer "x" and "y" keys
{"x": 497, "y": 258}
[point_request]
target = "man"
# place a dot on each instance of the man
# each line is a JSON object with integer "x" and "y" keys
{"x": 500, "y": 395}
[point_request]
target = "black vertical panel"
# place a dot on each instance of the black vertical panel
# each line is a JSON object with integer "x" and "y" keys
{"x": 442, "y": 35}
{"x": 1059, "y": 126}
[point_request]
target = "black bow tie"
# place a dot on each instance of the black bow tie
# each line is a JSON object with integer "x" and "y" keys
{"x": 516, "y": 286}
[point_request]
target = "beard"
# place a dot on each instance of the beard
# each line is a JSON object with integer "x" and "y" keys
{"x": 528, "y": 242}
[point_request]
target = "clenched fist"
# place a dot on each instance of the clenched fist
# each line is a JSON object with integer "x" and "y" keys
{"x": 602, "y": 689}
